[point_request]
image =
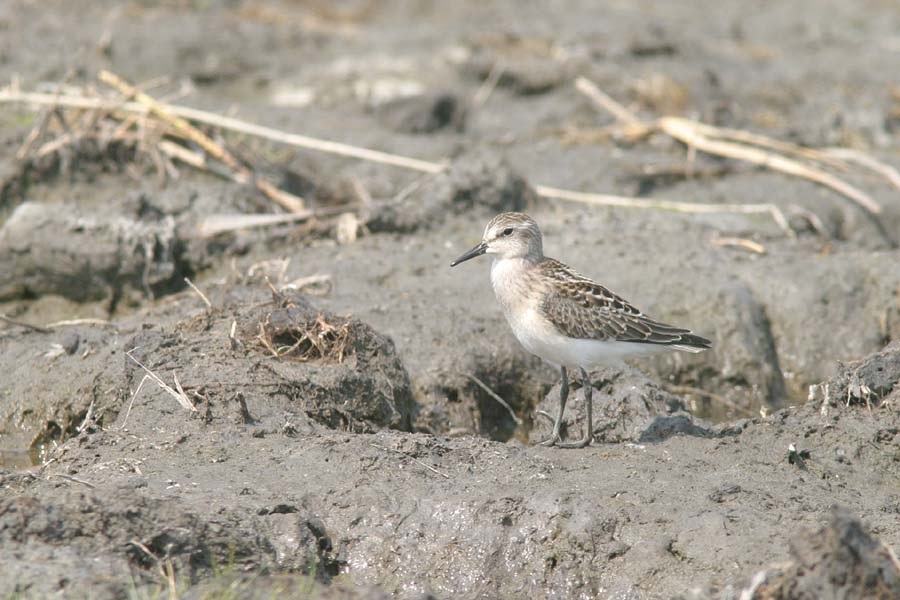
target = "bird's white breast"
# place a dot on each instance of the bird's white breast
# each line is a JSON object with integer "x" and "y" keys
{"x": 519, "y": 294}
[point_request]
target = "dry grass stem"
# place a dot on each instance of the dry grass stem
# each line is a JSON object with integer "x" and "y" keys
{"x": 813, "y": 219}
{"x": 184, "y": 128}
{"x": 755, "y": 139}
{"x": 79, "y": 322}
{"x": 495, "y": 396}
{"x": 314, "y": 285}
{"x": 233, "y": 341}
{"x": 605, "y": 101}
{"x": 696, "y": 135}
{"x": 179, "y": 396}
{"x": 748, "y": 147}
{"x": 687, "y": 132}
{"x": 74, "y": 480}
{"x": 36, "y": 133}
{"x": 734, "y": 242}
{"x": 179, "y": 152}
{"x": 229, "y": 124}
{"x": 314, "y": 340}
{"x": 659, "y": 204}
{"x": 198, "y": 292}
{"x": 131, "y": 402}
{"x": 214, "y": 225}
{"x": 888, "y": 172}
{"x": 489, "y": 84}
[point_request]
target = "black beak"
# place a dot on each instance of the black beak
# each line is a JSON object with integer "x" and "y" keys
{"x": 476, "y": 251}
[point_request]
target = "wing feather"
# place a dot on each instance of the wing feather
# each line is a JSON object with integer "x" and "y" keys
{"x": 583, "y": 309}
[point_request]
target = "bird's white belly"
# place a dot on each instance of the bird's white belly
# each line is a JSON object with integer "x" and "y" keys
{"x": 540, "y": 338}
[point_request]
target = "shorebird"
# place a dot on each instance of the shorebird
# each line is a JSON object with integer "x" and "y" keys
{"x": 566, "y": 318}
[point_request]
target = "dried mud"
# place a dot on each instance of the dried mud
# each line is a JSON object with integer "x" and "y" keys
{"x": 346, "y": 442}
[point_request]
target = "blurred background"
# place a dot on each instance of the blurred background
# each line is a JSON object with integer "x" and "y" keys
{"x": 166, "y": 167}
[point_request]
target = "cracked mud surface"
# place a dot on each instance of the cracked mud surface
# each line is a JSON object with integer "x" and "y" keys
{"x": 366, "y": 459}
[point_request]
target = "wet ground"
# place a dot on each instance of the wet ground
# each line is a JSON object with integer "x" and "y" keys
{"x": 157, "y": 445}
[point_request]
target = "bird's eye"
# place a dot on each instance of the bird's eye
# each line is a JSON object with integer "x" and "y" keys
{"x": 508, "y": 231}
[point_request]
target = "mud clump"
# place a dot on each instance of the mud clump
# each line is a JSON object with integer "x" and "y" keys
{"x": 287, "y": 367}
{"x": 74, "y": 384}
{"x": 425, "y": 113}
{"x": 626, "y": 404}
{"x": 743, "y": 364}
{"x": 481, "y": 182}
{"x": 871, "y": 381}
{"x": 525, "y": 66}
{"x": 839, "y": 560}
{"x": 96, "y": 538}
{"x": 87, "y": 254}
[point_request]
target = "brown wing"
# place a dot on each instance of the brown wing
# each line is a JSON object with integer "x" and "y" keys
{"x": 583, "y": 309}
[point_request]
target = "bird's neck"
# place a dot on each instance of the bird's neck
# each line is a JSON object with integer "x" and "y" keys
{"x": 510, "y": 279}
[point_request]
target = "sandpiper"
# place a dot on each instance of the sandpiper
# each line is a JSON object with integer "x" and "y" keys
{"x": 564, "y": 317}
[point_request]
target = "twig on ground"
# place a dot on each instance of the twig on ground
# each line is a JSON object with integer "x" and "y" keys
{"x": 183, "y": 127}
{"x": 214, "y": 225}
{"x": 314, "y": 285}
{"x": 622, "y": 114}
{"x": 891, "y": 555}
{"x": 144, "y": 549}
{"x": 493, "y": 395}
{"x": 199, "y": 293}
{"x": 12, "y": 321}
{"x": 686, "y": 131}
{"x": 79, "y": 322}
{"x": 233, "y": 340}
{"x": 671, "y": 205}
{"x": 489, "y": 84}
{"x": 88, "y": 418}
{"x": 763, "y": 141}
{"x": 230, "y": 124}
{"x": 722, "y": 242}
{"x": 180, "y": 396}
{"x": 262, "y": 337}
{"x": 605, "y": 101}
{"x": 412, "y": 458}
{"x": 745, "y": 146}
{"x": 36, "y": 133}
{"x": 131, "y": 403}
{"x": 891, "y": 174}
{"x": 74, "y": 479}
{"x": 685, "y": 171}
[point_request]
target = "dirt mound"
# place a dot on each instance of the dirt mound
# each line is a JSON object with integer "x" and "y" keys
{"x": 480, "y": 182}
{"x": 626, "y": 404}
{"x": 74, "y": 384}
{"x": 871, "y": 381}
{"x": 286, "y": 367}
{"x": 839, "y": 560}
{"x": 98, "y": 539}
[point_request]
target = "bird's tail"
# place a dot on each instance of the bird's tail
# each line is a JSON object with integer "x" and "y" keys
{"x": 690, "y": 342}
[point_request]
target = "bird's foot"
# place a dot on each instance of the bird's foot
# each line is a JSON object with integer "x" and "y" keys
{"x": 582, "y": 443}
{"x": 553, "y": 440}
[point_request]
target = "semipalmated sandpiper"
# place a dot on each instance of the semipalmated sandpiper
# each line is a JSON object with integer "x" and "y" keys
{"x": 564, "y": 317}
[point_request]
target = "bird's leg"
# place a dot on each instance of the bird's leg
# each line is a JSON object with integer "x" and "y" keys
{"x": 587, "y": 391}
{"x": 563, "y": 397}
